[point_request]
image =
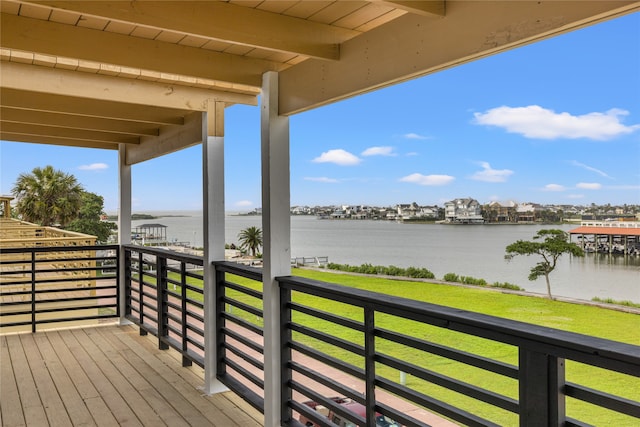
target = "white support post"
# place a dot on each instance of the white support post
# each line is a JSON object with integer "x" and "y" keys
{"x": 213, "y": 233}
{"x": 124, "y": 223}
{"x": 276, "y": 225}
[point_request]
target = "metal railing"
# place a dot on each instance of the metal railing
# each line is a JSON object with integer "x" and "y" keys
{"x": 381, "y": 337}
{"x": 381, "y": 351}
{"x": 164, "y": 297}
{"x": 239, "y": 335}
{"x": 57, "y": 286}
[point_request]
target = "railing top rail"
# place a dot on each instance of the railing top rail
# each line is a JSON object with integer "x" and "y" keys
{"x": 596, "y": 351}
{"x": 252, "y": 273}
{"x": 187, "y": 258}
{"x": 58, "y": 248}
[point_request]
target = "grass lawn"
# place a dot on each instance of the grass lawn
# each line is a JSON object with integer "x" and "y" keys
{"x": 589, "y": 320}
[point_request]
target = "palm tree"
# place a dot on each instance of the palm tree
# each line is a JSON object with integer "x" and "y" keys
{"x": 250, "y": 239}
{"x": 47, "y": 196}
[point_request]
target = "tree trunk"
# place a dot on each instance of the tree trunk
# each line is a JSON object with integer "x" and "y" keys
{"x": 546, "y": 276}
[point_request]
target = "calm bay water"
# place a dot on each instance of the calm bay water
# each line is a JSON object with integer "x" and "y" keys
{"x": 476, "y": 250}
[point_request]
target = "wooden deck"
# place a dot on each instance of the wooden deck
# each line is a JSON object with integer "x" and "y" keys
{"x": 109, "y": 376}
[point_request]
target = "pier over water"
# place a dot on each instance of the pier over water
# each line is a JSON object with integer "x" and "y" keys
{"x": 613, "y": 237}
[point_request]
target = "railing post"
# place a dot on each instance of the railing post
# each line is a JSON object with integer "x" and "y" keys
{"x": 541, "y": 381}
{"x": 221, "y": 366}
{"x": 124, "y": 257}
{"x": 370, "y": 366}
{"x": 161, "y": 301}
{"x": 285, "y": 355}
{"x": 141, "y": 291}
{"x": 183, "y": 309}
{"x": 33, "y": 291}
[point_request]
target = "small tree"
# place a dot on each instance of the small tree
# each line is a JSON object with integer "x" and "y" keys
{"x": 88, "y": 221}
{"x": 250, "y": 239}
{"x": 554, "y": 244}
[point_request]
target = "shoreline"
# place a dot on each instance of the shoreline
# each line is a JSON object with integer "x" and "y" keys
{"x": 605, "y": 305}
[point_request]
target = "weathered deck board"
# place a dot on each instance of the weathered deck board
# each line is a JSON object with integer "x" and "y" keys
{"x": 106, "y": 376}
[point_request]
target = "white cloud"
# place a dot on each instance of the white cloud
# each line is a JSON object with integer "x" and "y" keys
{"x": 243, "y": 203}
{"x": 534, "y": 121}
{"x": 589, "y": 185}
{"x": 94, "y": 167}
{"x": 554, "y": 187}
{"x": 589, "y": 168}
{"x": 321, "y": 179}
{"x": 431, "y": 180}
{"x": 378, "y": 151}
{"x": 414, "y": 136}
{"x": 491, "y": 175}
{"x": 338, "y": 157}
{"x": 411, "y": 154}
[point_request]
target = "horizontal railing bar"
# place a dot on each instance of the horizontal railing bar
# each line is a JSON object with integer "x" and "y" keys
{"x": 329, "y": 339}
{"x": 244, "y": 372}
{"x": 399, "y": 416}
{"x": 243, "y": 323}
{"x": 244, "y": 340}
{"x": 249, "y": 272}
{"x": 328, "y": 360}
{"x": 242, "y": 306}
{"x": 188, "y": 259}
{"x": 329, "y": 403}
{"x": 245, "y": 356}
{"x": 450, "y": 353}
{"x": 40, "y": 249}
{"x": 339, "y": 320}
{"x": 58, "y": 320}
{"x": 434, "y": 404}
{"x": 605, "y": 400}
{"x": 243, "y": 391}
{"x": 319, "y": 419}
{"x": 243, "y": 289}
{"x": 327, "y": 382}
{"x": 450, "y": 383}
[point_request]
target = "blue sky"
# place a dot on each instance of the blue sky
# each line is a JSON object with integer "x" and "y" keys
{"x": 554, "y": 122}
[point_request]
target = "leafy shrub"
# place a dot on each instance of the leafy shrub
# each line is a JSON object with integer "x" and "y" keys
{"x": 392, "y": 270}
{"x": 451, "y": 277}
{"x": 506, "y": 285}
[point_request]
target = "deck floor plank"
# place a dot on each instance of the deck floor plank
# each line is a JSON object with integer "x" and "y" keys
{"x": 103, "y": 357}
{"x": 32, "y": 408}
{"x": 73, "y": 402}
{"x": 107, "y": 391}
{"x": 51, "y": 401}
{"x": 95, "y": 404}
{"x": 158, "y": 393}
{"x": 107, "y": 376}
{"x": 162, "y": 365}
{"x": 10, "y": 408}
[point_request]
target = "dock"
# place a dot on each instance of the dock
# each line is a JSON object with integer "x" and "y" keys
{"x": 612, "y": 237}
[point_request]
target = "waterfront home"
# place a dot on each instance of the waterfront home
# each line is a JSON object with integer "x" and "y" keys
{"x": 147, "y": 78}
{"x": 463, "y": 211}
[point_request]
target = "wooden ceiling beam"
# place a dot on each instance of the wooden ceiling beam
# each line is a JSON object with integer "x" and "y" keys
{"x": 51, "y": 38}
{"x": 67, "y": 133}
{"x": 43, "y": 139}
{"x": 19, "y": 115}
{"x": 223, "y": 22}
{"x": 89, "y": 108}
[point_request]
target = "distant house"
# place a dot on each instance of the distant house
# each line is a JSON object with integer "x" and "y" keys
{"x": 463, "y": 211}
{"x": 526, "y": 212}
{"x": 503, "y": 211}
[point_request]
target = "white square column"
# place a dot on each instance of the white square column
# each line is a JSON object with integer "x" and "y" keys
{"x": 276, "y": 226}
{"x": 213, "y": 232}
{"x": 124, "y": 222}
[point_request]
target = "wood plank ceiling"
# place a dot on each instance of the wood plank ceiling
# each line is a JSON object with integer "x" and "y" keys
{"x": 101, "y": 73}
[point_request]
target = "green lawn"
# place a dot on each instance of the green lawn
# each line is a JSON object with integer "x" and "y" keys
{"x": 604, "y": 323}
